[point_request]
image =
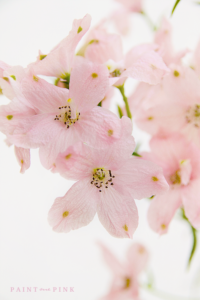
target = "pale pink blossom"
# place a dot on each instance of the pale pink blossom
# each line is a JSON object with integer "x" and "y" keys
{"x": 7, "y": 75}
{"x": 146, "y": 96}
{"x": 132, "y": 5}
{"x": 125, "y": 283}
{"x": 13, "y": 113}
{"x": 179, "y": 108}
{"x": 142, "y": 62}
{"x": 64, "y": 116}
{"x": 109, "y": 180}
{"x": 180, "y": 161}
{"x": 23, "y": 158}
{"x": 59, "y": 61}
{"x": 163, "y": 38}
{"x": 121, "y": 18}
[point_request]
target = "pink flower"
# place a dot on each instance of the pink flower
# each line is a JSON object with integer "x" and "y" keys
{"x": 64, "y": 116}
{"x": 179, "y": 108}
{"x": 163, "y": 38}
{"x": 125, "y": 282}
{"x": 132, "y": 5}
{"x": 146, "y": 96}
{"x": 59, "y": 61}
{"x": 121, "y": 19}
{"x": 142, "y": 62}
{"x": 7, "y": 75}
{"x": 180, "y": 161}
{"x": 12, "y": 114}
{"x": 109, "y": 180}
{"x": 23, "y": 158}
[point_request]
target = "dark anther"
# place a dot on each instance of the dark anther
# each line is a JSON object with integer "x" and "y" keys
{"x": 111, "y": 184}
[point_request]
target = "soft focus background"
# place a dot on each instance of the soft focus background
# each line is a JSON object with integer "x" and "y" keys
{"x": 31, "y": 254}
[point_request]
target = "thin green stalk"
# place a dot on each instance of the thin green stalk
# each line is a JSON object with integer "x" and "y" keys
{"x": 120, "y": 111}
{"x": 136, "y": 154}
{"x": 149, "y": 21}
{"x": 194, "y": 235}
{"x": 194, "y": 246}
{"x": 175, "y": 5}
{"x": 121, "y": 88}
{"x": 99, "y": 104}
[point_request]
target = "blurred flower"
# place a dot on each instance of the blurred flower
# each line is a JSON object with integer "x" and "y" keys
{"x": 132, "y": 5}
{"x": 125, "y": 284}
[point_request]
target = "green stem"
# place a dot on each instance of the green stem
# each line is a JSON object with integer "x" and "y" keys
{"x": 154, "y": 28}
{"x": 99, "y": 104}
{"x": 121, "y": 88}
{"x": 175, "y": 5}
{"x": 194, "y": 246}
{"x": 136, "y": 154}
{"x": 120, "y": 111}
{"x": 194, "y": 235}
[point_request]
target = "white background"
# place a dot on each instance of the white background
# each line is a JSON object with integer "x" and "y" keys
{"x": 31, "y": 254}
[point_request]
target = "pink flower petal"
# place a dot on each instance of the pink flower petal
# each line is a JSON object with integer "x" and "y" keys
{"x": 12, "y": 114}
{"x": 76, "y": 209}
{"x": 117, "y": 213}
{"x": 99, "y": 127}
{"x": 162, "y": 210}
{"x": 42, "y": 95}
{"x": 143, "y": 178}
{"x": 23, "y": 157}
{"x": 36, "y": 131}
{"x": 162, "y": 119}
{"x": 138, "y": 257}
{"x": 111, "y": 260}
{"x": 147, "y": 66}
{"x": 7, "y": 89}
{"x": 88, "y": 84}
{"x": 59, "y": 141}
{"x": 103, "y": 47}
{"x": 60, "y": 60}
{"x": 190, "y": 195}
{"x": 132, "y": 5}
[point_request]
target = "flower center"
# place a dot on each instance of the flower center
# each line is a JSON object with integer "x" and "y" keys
{"x": 127, "y": 283}
{"x": 65, "y": 116}
{"x": 102, "y": 178}
{"x": 193, "y": 115}
{"x": 176, "y": 178}
{"x": 183, "y": 174}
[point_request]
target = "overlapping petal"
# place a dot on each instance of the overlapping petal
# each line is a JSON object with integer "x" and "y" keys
{"x": 76, "y": 209}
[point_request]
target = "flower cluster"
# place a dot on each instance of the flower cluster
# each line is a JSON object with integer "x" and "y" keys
{"x": 170, "y": 112}
{"x": 76, "y": 136}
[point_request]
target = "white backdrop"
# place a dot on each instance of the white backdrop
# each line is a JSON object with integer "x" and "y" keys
{"x": 31, "y": 254}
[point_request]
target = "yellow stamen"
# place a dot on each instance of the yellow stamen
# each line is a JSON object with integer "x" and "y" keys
{"x": 65, "y": 214}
